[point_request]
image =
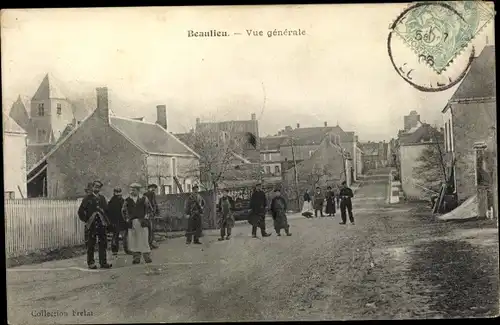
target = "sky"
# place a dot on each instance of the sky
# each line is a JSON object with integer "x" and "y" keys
{"x": 339, "y": 72}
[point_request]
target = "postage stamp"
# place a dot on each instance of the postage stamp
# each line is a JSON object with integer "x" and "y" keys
{"x": 438, "y": 32}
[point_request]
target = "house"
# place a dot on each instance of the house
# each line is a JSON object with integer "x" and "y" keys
{"x": 470, "y": 117}
{"x": 270, "y": 157}
{"x": 236, "y": 129}
{"x": 326, "y": 166}
{"x": 411, "y": 145}
{"x": 375, "y": 154}
{"x": 411, "y": 120}
{"x": 14, "y": 160}
{"x": 301, "y": 143}
{"x": 117, "y": 151}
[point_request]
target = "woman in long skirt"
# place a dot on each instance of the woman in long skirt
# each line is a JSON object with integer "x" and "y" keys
{"x": 330, "y": 202}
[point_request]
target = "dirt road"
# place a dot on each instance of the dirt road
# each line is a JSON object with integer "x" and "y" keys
{"x": 395, "y": 262}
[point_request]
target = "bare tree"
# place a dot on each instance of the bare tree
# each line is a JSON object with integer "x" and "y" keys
{"x": 431, "y": 169}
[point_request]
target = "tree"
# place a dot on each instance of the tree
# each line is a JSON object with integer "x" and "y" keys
{"x": 431, "y": 168}
{"x": 221, "y": 156}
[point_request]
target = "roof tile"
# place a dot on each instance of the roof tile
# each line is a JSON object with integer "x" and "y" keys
{"x": 150, "y": 137}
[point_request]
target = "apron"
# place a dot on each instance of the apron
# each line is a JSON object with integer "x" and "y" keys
{"x": 138, "y": 238}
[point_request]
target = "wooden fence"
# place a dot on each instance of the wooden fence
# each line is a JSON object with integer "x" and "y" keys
{"x": 38, "y": 224}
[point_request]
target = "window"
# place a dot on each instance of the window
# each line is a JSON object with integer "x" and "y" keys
{"x": 10, "y": 195}
{"x": 40, "y": 135}
{"x": 269, "y": 156}
{"x": 167, "y": 189}
{"x": 41, "y": 110}
{"x": 446, "y": 137}
{"x": 174, "y": 167}
{"x": 188, "y": 187}
{"x": 59, "y": 109}
{"x": 268, "y": 169}
{"x": 450, "y": 136}
{"x": 311, "y": 152}
{"x": 277, "y": 170}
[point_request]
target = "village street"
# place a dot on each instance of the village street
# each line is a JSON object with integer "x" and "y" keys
{"x": 395, "y": 262}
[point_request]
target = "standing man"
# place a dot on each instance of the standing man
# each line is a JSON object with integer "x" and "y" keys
{"x": 119, "y": 225}
{"x": 135, "y": 212}
{"x": 278, "y": 210}
{"x": 93, "y": 211}
{"x": 151, "y": 195}
{"x": 345, "y": 196}
{"x": 225, "y": 209}
{"x": 318, "y": 202}
{"x": 258, "y": 205}
{"x": 193, "y": 208}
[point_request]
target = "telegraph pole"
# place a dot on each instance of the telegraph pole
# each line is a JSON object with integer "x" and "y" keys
{"x": 295, "y": 173}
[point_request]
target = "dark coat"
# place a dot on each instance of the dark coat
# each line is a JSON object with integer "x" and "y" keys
{"x": 278, "y": 208}
{"x": 258, "y": 202}
{"x": 136, "y": 210}
{"x": 93, "y": 203}
{"x": 231, "y": 203}
{"x": 152, "y": 200}
{"x": 194, "y": 205}
{"x": 115, "y": 206}
{"x": 307, "y": 197}
{"x": 346, "y": 194}
{"x": 318, "y": 201}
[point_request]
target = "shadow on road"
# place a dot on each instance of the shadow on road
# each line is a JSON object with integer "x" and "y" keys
{"x": 464, "y": 278}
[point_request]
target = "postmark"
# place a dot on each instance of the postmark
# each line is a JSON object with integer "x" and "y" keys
{"x": 429, "y": 44}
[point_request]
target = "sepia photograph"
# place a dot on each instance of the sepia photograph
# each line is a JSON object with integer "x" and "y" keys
{"x": 250, "y": 163}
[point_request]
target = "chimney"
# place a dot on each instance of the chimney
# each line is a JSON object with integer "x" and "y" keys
{"x": 298, "y": 125}
{"x": 356, "y": 138}
{"x": 197, "y": 121}
{"x": 102, "y": 103}
{"x": 253, "y": 117}
{"x": 161, "y": 116}
{"x": 326, "y": 124}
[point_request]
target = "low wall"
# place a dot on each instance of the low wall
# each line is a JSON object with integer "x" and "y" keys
{"x": 171, "y": 208}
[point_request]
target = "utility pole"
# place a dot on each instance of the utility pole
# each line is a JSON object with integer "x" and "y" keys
{"x": 295, "y": 173}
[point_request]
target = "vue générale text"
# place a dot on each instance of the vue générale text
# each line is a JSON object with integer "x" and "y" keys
{"x": 248, "y": 32}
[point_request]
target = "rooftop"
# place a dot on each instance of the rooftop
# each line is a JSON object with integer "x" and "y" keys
{"x": 480, "y": 80}
{"x": 150, "y": 137}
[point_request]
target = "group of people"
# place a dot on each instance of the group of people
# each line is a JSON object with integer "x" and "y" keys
{"x": 340, "y": 198}
{"x": 259, "y": 206}
{"x": 130, "y": 218}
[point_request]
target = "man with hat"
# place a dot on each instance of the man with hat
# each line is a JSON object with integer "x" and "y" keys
{"x": 225, "y": 209}
{"x": 155, "y": 212}
{"x": 93, "y": 211}
{"x": 346, "y": 204}
{"x": 119, "y": 225}
{"x": 258, "y": 205}
{"x": 193, "y": 208}
{"x": 278, "y": 210}
{"x": 135, "y": 211}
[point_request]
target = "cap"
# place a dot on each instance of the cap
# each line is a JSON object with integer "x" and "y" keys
{"x": 153, "y": 186}
{"x": 98, "y": 183}
{"x": 277, "y": 189}
{"x": 117, "y": 190}
{"x": 135, "y": 185}
{"x": 89, "y": 186}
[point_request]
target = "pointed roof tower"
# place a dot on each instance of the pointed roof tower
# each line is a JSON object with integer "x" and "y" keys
{"x": 50, "y": 88}
{"x": 19, "y": 113}
{"x": 10, "y": 126}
